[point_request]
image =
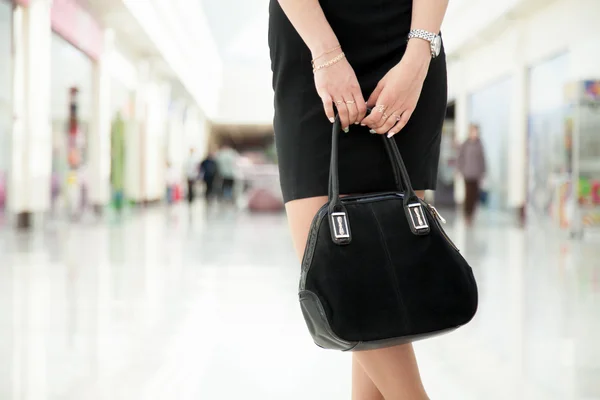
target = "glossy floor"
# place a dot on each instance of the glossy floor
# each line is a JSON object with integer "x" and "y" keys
{"x": 168, "y": 305}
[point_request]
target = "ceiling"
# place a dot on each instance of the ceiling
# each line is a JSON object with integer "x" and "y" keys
{"x": 239, "y": 28}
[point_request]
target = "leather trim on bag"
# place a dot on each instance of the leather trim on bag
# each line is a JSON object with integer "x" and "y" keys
{"x": 318, "y": 325}
{"x": 379, "y": 344}
{"x": 311, "y": 244}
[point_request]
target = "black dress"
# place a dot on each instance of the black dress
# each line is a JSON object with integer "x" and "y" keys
{"x": 373, "y": 35}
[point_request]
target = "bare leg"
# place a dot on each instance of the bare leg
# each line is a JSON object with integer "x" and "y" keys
{"x": 300, "y": 215}
{"x": 363, "y": 387}
{"x": 390, "y": 373}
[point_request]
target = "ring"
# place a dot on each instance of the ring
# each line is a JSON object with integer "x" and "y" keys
{"x": 339, "y": 102}
{"x": 350, "y": 102}
{"x": 380, "y": 108}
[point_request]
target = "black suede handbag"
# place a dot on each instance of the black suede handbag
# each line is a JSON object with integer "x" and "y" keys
{"x": 379, "y": 270}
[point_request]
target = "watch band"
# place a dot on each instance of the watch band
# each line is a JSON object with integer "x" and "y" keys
{"x": 422, "y": 34}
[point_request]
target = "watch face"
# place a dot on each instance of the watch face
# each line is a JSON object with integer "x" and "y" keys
{"x": 437, "y": 45}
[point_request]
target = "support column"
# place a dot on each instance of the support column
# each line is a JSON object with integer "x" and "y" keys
{"x": 99, "y": 139}
{"x": 146, "y": 155}
{"x": 461, "y": 110}
{"x": 30, "y": 171}
{"x": 135, "y": 139}
{"x": 517, "y": 143}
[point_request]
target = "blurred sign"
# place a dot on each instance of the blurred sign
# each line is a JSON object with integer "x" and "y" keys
{"x": 584, "y": 127}
{"x": 78, "y": 27}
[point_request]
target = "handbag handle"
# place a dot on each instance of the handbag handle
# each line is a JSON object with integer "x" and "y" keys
{"x": 400, "y": 173}
{"x": 412, "y": 204}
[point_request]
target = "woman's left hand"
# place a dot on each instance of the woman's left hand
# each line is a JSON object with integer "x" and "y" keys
{"x": 396, "y": 95}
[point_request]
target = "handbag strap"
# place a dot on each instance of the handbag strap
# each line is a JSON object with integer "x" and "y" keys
{"x": 412, "y": 204}
{"x": 391, "y": 154}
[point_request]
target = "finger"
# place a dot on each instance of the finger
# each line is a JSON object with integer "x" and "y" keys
{"x": 340, "y": 104}
{"x": 374, "y": 119}
{"x": 388, "y": 122}
{"x": 328, "y": 106}
{"x": 352, "y": 110}
{"x": 361, "y": 106}
{"x": 376, "y": 93}
{"x": 401, "y": 123}
{"x": 385, "y": 117}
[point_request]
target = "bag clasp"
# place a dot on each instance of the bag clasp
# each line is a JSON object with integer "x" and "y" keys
{"x": 417, "y": 219}
{"x": 340, "y": 228}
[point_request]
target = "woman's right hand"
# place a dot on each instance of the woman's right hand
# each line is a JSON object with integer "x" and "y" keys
{"x": 338, "y": 86}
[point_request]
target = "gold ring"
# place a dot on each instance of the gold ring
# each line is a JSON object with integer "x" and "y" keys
{"x": 350, "y": 102}
{"x": 380, "y": 108}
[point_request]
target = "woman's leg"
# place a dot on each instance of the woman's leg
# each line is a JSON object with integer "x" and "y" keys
{"x": 300, "y": 215}
{"x": 471, "y": 197}
{"x": 363, "y": 387}
{"x": 393, "y": 371}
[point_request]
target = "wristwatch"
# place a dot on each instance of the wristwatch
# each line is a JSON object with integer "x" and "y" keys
{"x": 434, "y": 40}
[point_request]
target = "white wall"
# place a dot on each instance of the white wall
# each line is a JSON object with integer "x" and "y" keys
{"x": 181, "y": 34}
{"x": 31, "y": 144}
{"x": 5, "y": 52}
{"x": 559, "y": 27}
{"x": 5, "y": 84}
{"x": 247, "y": 96}
{"x": 70, "y": 67}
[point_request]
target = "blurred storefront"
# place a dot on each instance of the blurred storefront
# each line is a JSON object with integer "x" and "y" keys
{"x": 85, "y": 102}
{"x": 548, "y": 149}
{"x": 71, "y": 107}
{"x": 509, "y": 74}
{"x": 6, "y": 13}
{"x": 76, "y": 46}
{"x": 122, "y": 92}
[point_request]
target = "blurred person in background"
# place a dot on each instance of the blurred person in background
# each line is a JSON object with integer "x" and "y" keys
{"x": 391, "y": 51}
{"x": 208, "y": 172}
{"x": 172, "y": 182}
{"x": 471, "y": 165}
{"x": 226, "y": 159}
{"x": 191, "y": 168}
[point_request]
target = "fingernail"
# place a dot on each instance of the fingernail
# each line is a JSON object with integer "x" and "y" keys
{"x": 332, "y": 120}
{"x": 356, "y": 123}
{"x": 346, "y": 130}
{"x": 372, "y": 131}
{"x": 361, "y": 124}
{"x": 391, "y": 134}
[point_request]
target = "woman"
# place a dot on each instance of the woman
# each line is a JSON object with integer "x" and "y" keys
{"x": 471, "y": 164}
{"x": 358, "y": 48}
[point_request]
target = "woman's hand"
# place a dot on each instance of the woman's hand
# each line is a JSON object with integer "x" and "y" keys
{"x": 396, "y": 95}
{"x": 338, "y": 86}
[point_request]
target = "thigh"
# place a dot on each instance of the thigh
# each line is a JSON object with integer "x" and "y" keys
{"x": 300, "y": 214}
{"x": 363, "y": 387}
{"x": 394, "y": 371}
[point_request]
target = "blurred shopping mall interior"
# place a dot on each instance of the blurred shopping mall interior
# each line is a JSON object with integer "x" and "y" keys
{"x": 113, "y": 286}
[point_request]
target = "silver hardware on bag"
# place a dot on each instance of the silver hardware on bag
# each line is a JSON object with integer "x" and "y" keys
{"x": 437, "y": 214}
{"x": 417, "y": 216}
{"x": 339, "y": 221}
{"x": 434, "y": 40}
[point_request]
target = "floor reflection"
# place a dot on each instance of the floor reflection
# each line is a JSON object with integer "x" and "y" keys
{"x": 172, "y": 304}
